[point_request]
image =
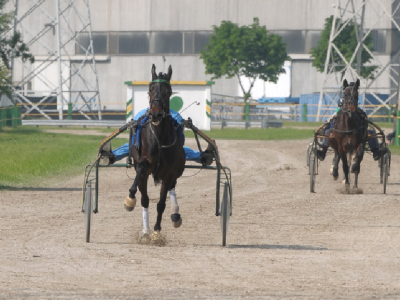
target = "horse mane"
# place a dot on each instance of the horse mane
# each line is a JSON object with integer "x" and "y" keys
{"x": 162, "y": 75}
{"x": 350, "y": 84}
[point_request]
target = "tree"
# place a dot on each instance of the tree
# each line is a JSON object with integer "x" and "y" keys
{"x": 346, "y": 42}
{"x": 11, "y": 45}
{"x": 249, "y": 51}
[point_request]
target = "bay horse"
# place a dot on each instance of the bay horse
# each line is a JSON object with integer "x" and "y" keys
{"x": 349, "y": 135}
{"x": 161, "y": 153}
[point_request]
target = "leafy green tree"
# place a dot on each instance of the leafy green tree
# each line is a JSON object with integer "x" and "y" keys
{"x": 346, "y": 42}
{"x": 249, "y": 51}
{"x": 11, "y": 44}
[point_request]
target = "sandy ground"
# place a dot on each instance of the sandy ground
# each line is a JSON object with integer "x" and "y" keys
{"x": 283, "y": 241}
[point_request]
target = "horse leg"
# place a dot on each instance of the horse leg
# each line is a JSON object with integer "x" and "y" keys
{"x": 355, "y": 181}
{"x": 145, "y": 204}
{"x": 130, "y": 200}
{"x": 161, "y": 205}
{"x": 335, "y": 164}
{"x": 355, "y": 168}
{"x": 345, "y": 170}
{"x": 175, "y": 216}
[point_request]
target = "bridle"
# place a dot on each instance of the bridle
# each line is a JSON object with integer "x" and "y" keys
{"x": 157, "y": 96}
{"x": 345, "y": 109}
{"x": 346, "y": 104}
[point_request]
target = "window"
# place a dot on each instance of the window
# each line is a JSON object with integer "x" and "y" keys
{"x": 133, "y": 43}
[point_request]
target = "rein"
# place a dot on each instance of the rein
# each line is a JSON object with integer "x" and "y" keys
{"x": 349, "y": 131}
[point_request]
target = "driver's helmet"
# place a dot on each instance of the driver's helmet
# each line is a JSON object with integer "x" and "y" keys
{"x": 340, "y": 102}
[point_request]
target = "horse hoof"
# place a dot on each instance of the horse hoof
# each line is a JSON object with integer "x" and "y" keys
{"x": 176, "y": 220}
{"x": 129, "y": 203}
{"x": 335, "y": 178}
{"x": 157, "y": 239}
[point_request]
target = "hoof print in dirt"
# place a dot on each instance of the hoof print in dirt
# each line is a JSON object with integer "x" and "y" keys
{"x": 144, "y": 239}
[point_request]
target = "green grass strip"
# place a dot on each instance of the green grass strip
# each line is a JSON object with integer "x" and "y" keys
{"x": 30, "y": 157}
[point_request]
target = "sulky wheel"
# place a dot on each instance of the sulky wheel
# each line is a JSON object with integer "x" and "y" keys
{"x": 312, "y": 170}
{"x": 309, "y": 149}
{"x": 225, "y": 213}
{"x": 87, "y": 209}
{"x": 385, "y": 171}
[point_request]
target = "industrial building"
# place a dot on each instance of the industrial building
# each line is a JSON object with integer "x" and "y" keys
{"x": 131, "y": 35}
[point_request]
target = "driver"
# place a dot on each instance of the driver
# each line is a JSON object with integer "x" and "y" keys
{"x": 177, "y": 119}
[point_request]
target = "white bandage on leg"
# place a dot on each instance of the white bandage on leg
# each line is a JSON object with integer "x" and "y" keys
{"x": 174, "y": 203}
{"x": 146, "y": 226}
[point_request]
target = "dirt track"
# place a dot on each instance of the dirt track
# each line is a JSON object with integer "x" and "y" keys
{"x": 283, "y": 242}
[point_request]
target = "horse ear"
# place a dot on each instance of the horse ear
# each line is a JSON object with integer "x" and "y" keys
{"x": 153, "y": 73}
{"x": 345, "y": 84}
{"x": 358, "y": 83}
{"x": 169, "y": 73}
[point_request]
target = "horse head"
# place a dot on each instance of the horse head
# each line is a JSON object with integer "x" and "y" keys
{"x": 350, "y": 92}
{"x": 159, "y": 93}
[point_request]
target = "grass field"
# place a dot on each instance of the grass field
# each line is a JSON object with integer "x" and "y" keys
{"x": 31, "y": 157}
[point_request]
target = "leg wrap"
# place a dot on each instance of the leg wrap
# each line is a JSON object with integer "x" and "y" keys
{"x": 146, "y": 225}
{"x": 174, "y": 203}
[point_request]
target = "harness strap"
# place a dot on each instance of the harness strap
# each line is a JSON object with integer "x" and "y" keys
{"x": 162, "y": 146}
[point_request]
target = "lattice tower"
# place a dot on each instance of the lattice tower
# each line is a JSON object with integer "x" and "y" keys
{"x": 386, "y": 79}
{"x": 55, "y": 30}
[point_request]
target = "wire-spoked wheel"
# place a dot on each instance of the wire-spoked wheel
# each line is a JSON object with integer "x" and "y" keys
{"x": 87, "y": 208}
{"x": 225, "y": 212}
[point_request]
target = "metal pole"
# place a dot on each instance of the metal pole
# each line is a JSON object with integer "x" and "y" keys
{"x": 60, "y": 91}
{"x": 396, "y": 138}
{"x": 94, "y": 60}
{"x": 360, "y": 40}
{"x": 321, "y": 94}
{"x": 15, "y": 30}
{"x": 304, "y": 114}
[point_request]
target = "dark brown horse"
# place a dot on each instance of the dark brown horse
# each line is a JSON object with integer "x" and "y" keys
{"x": 161, "y": 153}
{"x": 349, "y": 135}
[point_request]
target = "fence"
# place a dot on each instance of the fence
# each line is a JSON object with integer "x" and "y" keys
{"x": 223, "y": 108}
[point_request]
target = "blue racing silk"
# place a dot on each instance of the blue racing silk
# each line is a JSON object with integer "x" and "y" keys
{"x": 190, "y": 154}
{"x": 176, "y": 118}
{"x": 123, "y": 151}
